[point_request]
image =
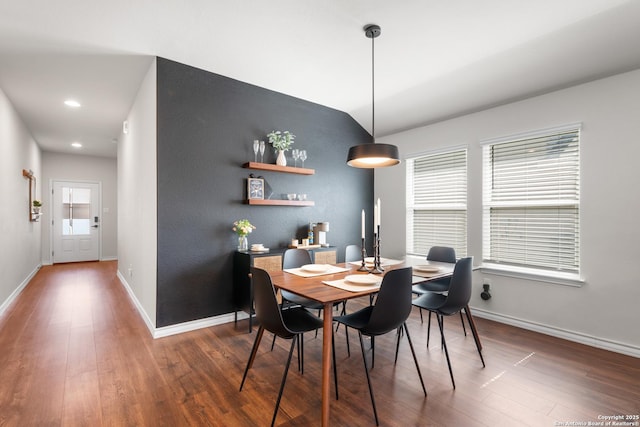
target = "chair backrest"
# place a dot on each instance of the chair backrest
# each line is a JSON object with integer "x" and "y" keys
{"x": 352, "y": 253}
{"x": 294, "y": 258}
{"x": 393, "y": 304}
{"x": 441, "y": 254}
{"x": 266, "y": 305}
{"x": 459, "y": 288}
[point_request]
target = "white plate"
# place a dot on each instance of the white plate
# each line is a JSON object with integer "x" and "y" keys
{"x": 426, "y": 268}
{"x": 362, "y": 279}
{"x": 315, "y": 268}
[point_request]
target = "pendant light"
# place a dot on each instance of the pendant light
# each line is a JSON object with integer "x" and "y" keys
{"x": 373, "y": 155}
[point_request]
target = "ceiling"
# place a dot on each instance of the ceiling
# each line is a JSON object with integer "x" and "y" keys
{"x": 434, "y": 60}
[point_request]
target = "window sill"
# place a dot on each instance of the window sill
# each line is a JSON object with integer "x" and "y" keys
{"x": 565, "y": 279}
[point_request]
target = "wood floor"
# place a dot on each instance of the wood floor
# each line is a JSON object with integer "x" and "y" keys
{"x": 74, "y": 352}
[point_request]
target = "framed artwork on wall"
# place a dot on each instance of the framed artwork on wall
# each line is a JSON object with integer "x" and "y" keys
{"x": 255, "y": 188}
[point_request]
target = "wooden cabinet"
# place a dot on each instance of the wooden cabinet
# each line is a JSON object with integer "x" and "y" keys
{"x": 325, "y": 257}
{"x": 269, "y": 261}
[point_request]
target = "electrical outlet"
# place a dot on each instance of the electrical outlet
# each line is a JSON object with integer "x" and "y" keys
{"x": 130, "y": 270}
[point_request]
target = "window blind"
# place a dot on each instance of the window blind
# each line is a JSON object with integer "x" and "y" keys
{"x": 437, "y": 202}
{"x": 531, "y": 201}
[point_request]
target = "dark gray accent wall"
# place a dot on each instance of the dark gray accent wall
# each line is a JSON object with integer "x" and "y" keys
{"x": 206, "y": 127}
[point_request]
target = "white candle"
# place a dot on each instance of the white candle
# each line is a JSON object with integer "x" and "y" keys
{"x": 363, "y": 223}
{"x": 375, "y": 218}
{"x": 379, "y": 212}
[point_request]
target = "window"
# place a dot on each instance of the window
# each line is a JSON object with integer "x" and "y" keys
{"x": 531, "y": 200}
{"x": 437, "y": 202}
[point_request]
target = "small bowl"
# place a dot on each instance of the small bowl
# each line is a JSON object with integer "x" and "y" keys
{"x": 302, "y": 197}
{"x": 291, "y": 196}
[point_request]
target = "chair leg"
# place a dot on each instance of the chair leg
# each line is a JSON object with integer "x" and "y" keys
{"x": 252, "y": 356}
{"x": 475, "y": 336}
{"x": 415, "y": 359}
{"x": 421, "y": 319}
{"x": 373, "y": 351}
{"x": 284, "y": 379}
{"x": 446, "y": 352}
{"x": 273, "y": 342}
{"x": 342, "y": 313}
{"x": 366, "y": 371}
{"x": 301, "y": 354}
{"x": 462, "y": 321}
{"x": 428, "y": 329}
{"x": 472, "y": 325}
{"x": 346, "y": 332}
{"x": 398, "y": 335}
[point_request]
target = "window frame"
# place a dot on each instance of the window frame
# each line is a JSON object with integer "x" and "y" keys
{"x": 530, "y": 271}
{"x": 459, "y": 205}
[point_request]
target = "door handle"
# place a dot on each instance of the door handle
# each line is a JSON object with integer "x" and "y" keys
{"x": 94, "y": 226}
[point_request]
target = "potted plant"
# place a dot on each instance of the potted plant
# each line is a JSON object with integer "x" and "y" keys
{"x": 37, "y": 205}
{"x": 281, "y": 141}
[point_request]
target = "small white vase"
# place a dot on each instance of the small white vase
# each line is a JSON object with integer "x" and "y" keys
{"x": 282, "y": 159}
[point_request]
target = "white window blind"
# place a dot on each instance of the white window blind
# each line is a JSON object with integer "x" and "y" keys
{"x": 437, "y": 202}
{"x": 531, "y": 200}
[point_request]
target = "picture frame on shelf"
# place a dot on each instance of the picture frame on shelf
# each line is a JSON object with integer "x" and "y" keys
{"x": 255, "y": 188}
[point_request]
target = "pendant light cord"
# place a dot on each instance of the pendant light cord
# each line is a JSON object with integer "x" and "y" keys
{"x": 373, "y": 91}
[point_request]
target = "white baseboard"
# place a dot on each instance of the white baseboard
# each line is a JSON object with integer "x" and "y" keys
{"x": 145, "y": 317}
{"x": 17, "y": 291}
{"x": 109, "y": 258}
{"x": 197, "y": 324}
{"x": 578, "y": 337}
{"x": 179, "y": 328}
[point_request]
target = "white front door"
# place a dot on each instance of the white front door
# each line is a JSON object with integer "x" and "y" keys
{"x": 76, "y": 221}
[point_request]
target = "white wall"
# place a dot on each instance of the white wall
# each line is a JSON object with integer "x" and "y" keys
{"x": 604, "y": 310}
{"x": 137, "y": 200}
{"x": 20, "y": 242}
{"x": 72, "y": 167}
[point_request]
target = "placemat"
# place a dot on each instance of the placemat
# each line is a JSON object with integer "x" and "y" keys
{"x": 351, "y": 288}
{"x": 333, "y": 269}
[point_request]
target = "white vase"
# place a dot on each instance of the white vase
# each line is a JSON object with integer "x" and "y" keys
{"x": 281, "y": 160}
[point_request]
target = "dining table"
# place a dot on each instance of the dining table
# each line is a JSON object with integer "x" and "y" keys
{"x": 314, "y": 286}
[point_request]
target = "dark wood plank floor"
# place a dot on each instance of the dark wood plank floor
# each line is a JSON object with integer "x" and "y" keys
{"x": 74, "y": 352}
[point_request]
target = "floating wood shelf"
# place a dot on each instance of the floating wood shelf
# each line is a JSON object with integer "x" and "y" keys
{"x": 276, "y": 202}
{"x": 277, "y": 168}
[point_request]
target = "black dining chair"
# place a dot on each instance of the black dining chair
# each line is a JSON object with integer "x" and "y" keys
{"x": 288, "y": 324}
{"x": 296, "y": 258}
{"x": 438, "y": 254}
{"x": 389, "y": 313}
{"x": 451, "y": 303}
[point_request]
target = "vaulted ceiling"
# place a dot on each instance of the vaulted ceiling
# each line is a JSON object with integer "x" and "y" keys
{"x": 434, "y": 60}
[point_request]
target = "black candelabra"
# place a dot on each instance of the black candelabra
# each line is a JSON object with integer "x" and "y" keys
{"x": 377, "y": 264}
{"x": 363, "y": 267}
{"x": 377, "y": 267}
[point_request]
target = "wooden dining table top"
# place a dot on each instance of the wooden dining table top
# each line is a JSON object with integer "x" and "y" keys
{"x": 314, "y": 288}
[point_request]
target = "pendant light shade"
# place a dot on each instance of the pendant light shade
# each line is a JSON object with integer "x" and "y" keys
{"x": 373, "y": 155}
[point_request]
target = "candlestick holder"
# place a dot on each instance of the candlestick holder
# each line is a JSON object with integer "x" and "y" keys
{"x": 363, "y": 267}
{"x": 377, "y": 268}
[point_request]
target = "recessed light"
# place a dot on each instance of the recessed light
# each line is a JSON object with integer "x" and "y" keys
{"x": 72, "y": 103}
{"x": 76, "y": 145}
